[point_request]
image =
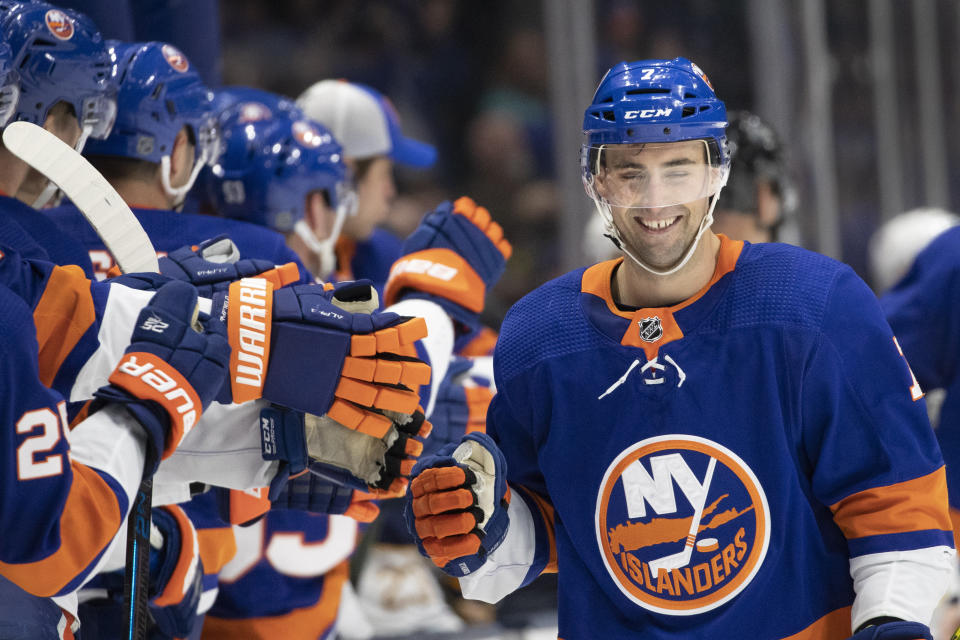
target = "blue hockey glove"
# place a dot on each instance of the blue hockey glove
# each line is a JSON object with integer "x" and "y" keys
{"x": 176, "y": 573}
{"x": 340, "y": 455}
{"x": 895, "y": 630}
{"x": 458, "y": 502}
{"x": 170, "y": 371}
{"x": 453, "y": 258}
{"x": 318, "y": 357}
{"x": 213, "y": 264}
{"x": 313, "y": 494}
{"x": 461, "y": 405}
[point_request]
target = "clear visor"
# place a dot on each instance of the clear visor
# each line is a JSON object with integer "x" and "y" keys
{"x": 99, "y": 114}
{"x": 209, "y": 147}
{"x": 651, "y": 175}
{"x": 9, "y": 98}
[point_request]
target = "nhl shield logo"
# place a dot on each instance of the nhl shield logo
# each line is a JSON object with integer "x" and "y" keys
{"x": 650, "y": 329}
{"x": 682, "y": 524}
{"x": 175, "y": 59}
{"x": 59, "y": 24}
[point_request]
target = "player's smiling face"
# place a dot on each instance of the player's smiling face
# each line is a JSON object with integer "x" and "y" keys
{"x": 657, "y": 195}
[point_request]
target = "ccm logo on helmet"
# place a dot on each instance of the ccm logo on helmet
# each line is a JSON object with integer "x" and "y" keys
{"x": 251, "y": 303}
{"x": 426, "y": 267}
{"x": 633, "y": 114}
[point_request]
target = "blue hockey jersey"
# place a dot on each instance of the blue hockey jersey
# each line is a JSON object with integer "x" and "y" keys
{"x": 924, "y": 311}
{"x": 51, "y": 488}
{"x": 719, "y": 465}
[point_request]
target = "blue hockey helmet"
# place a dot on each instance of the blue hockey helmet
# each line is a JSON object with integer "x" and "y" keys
{"x": 272, "y": 160}
{"x": 159, "y": 93}
{"x": 656, "y": 101}
{"x": 648, "y": 107}
{"x": 60, "y": 57}
{"x": 9, "y": 85}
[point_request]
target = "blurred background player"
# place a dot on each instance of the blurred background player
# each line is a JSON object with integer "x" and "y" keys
{"x": 759, "y": 195}
{"x": 282, "y": 171}
{"x": 368, "y": 127}
{"x": 916, "y": 266}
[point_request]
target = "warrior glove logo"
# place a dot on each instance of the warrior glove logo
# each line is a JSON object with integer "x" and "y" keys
{"x": 681, "y": 552}
{"x": 249, "y": 318}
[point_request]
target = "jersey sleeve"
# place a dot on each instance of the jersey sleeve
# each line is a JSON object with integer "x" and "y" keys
{"x": 922, "y": 309}
{"x": 529, "y": 547}
{"x": 60, "y": 503}
{"x": 874, "y": 459}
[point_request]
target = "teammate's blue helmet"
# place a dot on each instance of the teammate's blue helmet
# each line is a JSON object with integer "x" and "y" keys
{"x": 261, "y": 105}
{"x": 159, "y": 94}
{"x": 9, "y": 85}
{"x": 273, "y": 158}
{"x": 60, "y": 57}
{"x": 639, "y": 107}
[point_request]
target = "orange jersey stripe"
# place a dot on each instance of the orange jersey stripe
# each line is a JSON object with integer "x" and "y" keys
{"x": 913, "y": 505}
{"x": 307, "y": 623}
{"x": 833, "y": 626}
{"x": 63, "y": 314}
{"x": 90, "y": 519}
{"x": 217, "y": 548}
{"x": 546, "y": 512}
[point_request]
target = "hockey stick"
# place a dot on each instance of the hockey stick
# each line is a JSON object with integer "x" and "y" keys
{"x": 682, "y": 558}
{"x": 123, "y": 235}
{"x": 99, "y": 202}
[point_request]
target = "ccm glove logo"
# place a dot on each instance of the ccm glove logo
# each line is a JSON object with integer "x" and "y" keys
{"x": 426, "y": 267}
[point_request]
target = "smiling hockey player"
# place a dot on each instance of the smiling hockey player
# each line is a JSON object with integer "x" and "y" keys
{"x": 704, "y": 435}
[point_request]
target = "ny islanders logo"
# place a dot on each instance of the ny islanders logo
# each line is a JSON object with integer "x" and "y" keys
{"x": 682, "y": 524}
{"x": 174, "y": 58}
{"x": 59, "y": 24}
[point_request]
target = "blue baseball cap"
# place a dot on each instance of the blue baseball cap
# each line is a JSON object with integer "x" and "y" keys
{"x": 364, "y": 121}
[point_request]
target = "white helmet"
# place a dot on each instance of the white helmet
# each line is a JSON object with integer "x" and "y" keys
{"x": 895, "y": 245}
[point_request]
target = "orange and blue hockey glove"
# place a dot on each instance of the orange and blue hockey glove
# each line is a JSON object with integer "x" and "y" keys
{"x": 213, "y": 264}
{"x": 453, "y": 258}
{"x": 457, "y": 508}
{"x": 170, "y": 372}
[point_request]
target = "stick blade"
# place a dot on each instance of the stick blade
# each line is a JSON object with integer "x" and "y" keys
{"x": 99, "y": 202}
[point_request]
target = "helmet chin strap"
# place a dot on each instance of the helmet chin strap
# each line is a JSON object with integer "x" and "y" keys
{"x": 323, "y": 249}
{"x": 178, "y": 194}
{"x": 614, "y": 234}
